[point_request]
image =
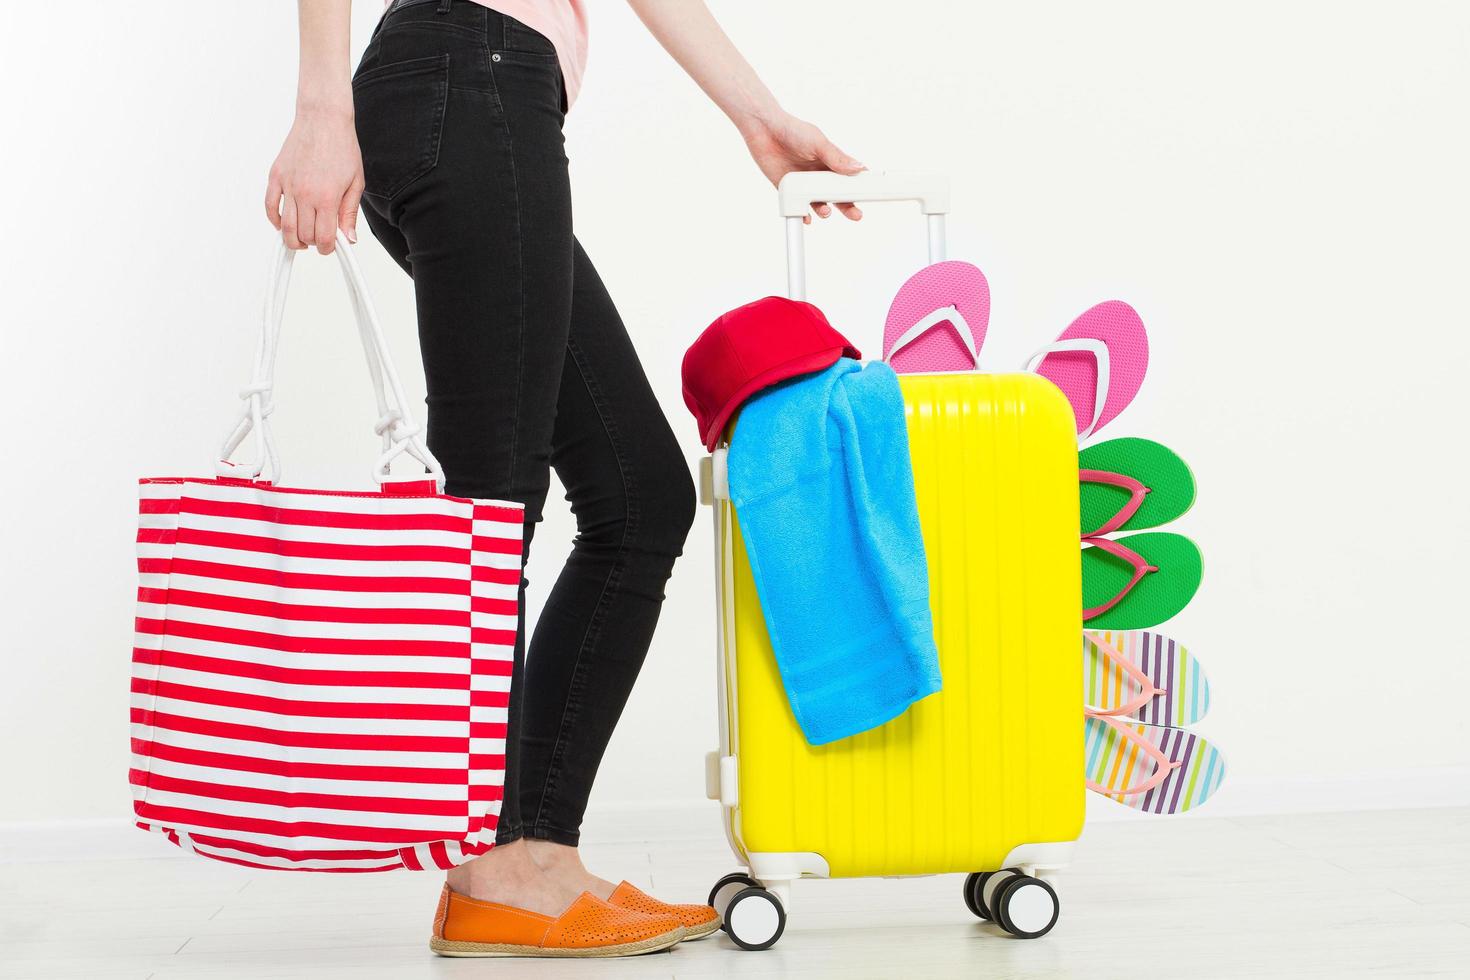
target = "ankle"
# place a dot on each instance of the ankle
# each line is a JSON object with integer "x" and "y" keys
{"x": 551, "y": 856}
{"x": 501, "y": 868}
{"x": 506, "y": 875}
{"x": 564, "y": 864}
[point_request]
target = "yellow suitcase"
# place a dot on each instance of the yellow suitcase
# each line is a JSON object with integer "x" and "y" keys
{"x": 983, "y": 776}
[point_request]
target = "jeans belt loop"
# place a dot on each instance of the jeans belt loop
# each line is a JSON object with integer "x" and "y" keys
{"x": 444, "y": 6}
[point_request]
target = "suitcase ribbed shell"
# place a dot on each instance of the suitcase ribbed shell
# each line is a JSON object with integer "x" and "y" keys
{"x": 994, "y": 760}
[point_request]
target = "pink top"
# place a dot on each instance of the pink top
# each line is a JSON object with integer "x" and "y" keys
{"x": 564, "y": 22}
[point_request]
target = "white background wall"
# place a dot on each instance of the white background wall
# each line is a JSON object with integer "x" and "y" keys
{"x": 1279, "y": 188}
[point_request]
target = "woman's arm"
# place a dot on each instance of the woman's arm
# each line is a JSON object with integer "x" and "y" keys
{"x": 316, "y": 182}
{"x": 779, "y": 142}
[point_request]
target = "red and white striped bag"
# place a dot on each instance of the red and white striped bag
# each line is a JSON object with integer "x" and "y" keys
{"x": 321, "y": 678}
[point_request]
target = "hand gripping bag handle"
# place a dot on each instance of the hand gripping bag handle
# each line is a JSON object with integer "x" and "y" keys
{"x": 400, "y": 433}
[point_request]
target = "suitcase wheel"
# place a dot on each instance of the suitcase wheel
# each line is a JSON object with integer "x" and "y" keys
{"x": 1025, "y": 907}
{"x": 726, "y": 889}
{"x": 982, "y": 888}
{"x": 974, "y": 882}
{"x": 754, "y": 919}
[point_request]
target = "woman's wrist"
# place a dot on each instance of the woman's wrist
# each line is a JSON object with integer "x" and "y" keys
{"x": 324, "y": 76}
{"x": 325, "y": 102}
{"x": 756, "y": 118}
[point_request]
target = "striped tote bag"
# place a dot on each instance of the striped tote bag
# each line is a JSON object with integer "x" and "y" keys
{"x": 321, "y": 678}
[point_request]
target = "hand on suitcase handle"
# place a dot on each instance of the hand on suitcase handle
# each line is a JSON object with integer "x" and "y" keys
{"x": 801, "y": 189}
{"x": 401, "y": 435}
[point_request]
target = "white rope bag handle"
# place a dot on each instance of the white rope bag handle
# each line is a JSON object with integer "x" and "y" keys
{"x": 401, "y": 435}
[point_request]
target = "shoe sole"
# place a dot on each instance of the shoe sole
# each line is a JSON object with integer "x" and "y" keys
{"x": 696, "y": 933}
{"x": 451, "y": 947}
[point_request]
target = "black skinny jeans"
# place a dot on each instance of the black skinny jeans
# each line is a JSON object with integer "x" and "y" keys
{"x": 528, "y": 366}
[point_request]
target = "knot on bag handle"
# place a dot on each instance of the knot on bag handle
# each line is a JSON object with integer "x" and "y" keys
{"x": 263, "y": 388}
{"x": 396, "y": 427}
{"x": 388, "y": 423}
{"x": 401, "y": 435}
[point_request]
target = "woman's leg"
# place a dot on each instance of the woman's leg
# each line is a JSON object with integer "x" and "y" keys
{"x": 629, "y": 488}
{"x": 527, "y": 363}
{"x": 467, "y": 188}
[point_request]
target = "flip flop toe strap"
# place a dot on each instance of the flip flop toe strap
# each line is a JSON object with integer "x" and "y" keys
{"x": 944, "y": 314}
{"x": 1147, "y": 691}
{"x": 1082, "y": 345}
{"x": 1163, "y": 765}
{"x": 1141, "y": 567}
{"x": 1136, "y": 492}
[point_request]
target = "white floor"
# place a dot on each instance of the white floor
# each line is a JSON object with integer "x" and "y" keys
{"x": 1382, "y": 893}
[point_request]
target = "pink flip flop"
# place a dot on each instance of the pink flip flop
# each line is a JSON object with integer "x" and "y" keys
{"x": 1098, "y": 362}
{"x": 952, "y": 293}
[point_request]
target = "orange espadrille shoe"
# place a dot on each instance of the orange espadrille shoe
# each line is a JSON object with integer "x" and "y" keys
{"x": 698, "y": 920}
{"x": 590, "y": 927}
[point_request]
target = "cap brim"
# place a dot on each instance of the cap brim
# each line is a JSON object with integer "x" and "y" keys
{"x": 805, "y": 364}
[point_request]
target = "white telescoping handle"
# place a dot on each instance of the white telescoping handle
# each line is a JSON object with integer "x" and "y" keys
{"x": 799, "y": 190}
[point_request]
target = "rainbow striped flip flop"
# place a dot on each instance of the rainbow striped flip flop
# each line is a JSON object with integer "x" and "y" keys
{"x": 1143, "y": 675}
{"x": 1150, "y": 767}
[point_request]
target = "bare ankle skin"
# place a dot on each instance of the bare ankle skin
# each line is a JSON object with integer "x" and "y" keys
{"x": 507, "y": 875}
{"x": 564, "y": 864}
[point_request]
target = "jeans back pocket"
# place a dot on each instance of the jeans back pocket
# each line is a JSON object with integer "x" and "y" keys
{"x": 400, "y": 121}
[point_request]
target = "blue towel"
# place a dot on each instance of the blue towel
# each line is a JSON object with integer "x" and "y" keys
{"x": 824, "y": 490}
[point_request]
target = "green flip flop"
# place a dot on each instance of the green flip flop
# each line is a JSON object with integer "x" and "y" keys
{"x": 1130, "y": 484}
{"x": 1138, "y": 581}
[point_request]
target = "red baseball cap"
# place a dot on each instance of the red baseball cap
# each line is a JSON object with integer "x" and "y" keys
{"x": 753, "y": 347}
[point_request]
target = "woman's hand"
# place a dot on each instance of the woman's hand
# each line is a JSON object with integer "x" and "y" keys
{"x": 779, "y": 142}
{"x": 316, "y": 182}
{"x": 788, "y": 143}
